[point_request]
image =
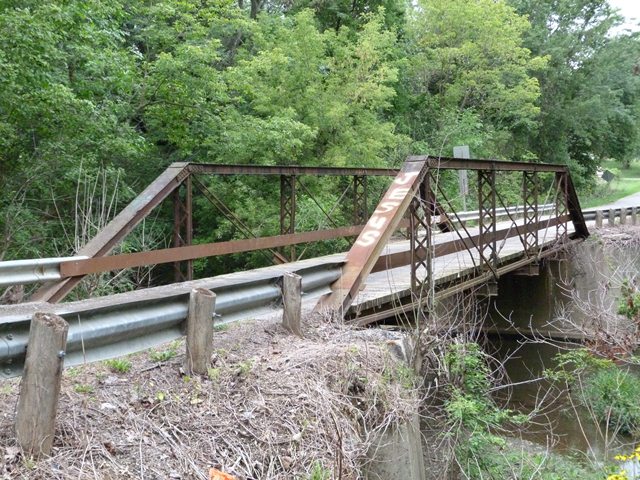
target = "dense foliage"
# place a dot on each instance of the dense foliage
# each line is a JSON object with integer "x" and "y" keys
{"x": 118, "y": 90}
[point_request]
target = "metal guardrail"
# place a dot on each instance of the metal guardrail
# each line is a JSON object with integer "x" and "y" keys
{"x": 135, "y": 321}
{"x": 505, "y": 212}
{"x": 20, "y": 272}
{"x": 591, "y": 213}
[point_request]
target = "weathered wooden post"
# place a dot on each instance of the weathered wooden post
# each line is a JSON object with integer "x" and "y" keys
{"x": 623, "y": 215}
{"x": 40, "y": 387}
{"x": 612, "y": 217}
{"x": 292, "y": 302}
{"x": 598, "y": 218}
{"x": 634, "y": 216}
{"x": 199, "y": 331}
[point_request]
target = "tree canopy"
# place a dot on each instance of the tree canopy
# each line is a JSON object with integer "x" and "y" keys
{"x": 118, "y": 90}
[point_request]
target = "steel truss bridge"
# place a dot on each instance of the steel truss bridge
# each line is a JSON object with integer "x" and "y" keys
{"x": 413, "y": 249}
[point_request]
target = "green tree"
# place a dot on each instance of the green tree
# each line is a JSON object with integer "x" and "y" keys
{"x": 470, "y": 77}
{"x": 65, "y": 84}
{"x": 589, "y": 91}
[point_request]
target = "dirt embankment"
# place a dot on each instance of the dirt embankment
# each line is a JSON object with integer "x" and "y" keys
{"x": 273, "y": 406}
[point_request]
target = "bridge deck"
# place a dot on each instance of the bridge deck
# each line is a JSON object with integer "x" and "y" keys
{"x": 393, "y": 286}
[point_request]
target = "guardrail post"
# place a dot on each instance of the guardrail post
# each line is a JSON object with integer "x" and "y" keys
{"x": 292, "y": 302}
{"x": 623, "y": 216}
{"x": 598, "y": 218}
{"x": 634, "y": 216}
{"x": 40, "y": 387}
{"x": 612, "y": 217}
{"x": 199, "y": 331}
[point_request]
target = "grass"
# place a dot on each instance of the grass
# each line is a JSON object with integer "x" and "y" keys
{"x": 626, "y": 184}
{"x": 162, "y": 355}
{"x": 166, "y": 354}
{"x": 82, "y": 388}
{"x": 119, "y": 365}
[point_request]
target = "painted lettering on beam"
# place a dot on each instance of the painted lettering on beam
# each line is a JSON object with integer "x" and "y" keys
{"x": 396, "y": 193}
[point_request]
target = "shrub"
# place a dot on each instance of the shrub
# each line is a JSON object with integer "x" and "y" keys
{"x": 613, "y": 395}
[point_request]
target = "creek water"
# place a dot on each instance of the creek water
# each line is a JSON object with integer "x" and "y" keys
{"x": 564, "y": 299}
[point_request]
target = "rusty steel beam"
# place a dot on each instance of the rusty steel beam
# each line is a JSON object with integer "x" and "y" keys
{"x": 562, "y": 207}
{"x": 360, "y": 205}
{"x": 530, "y": 193}
{"x": 433, "y": 162}
{"x": 421, "y": 210}
{"x": 75, "y": 268}
{"x": 487, "y": 246}
{"x": 288, "y": 210}
{"x": 118, "y": 228}
{"x": 446, "y": 163}
{"x": 183, "y": 228}
{"x": 367, "y": 248}
{"x": 575, "y": 211}
{"x": 214, "y": 169}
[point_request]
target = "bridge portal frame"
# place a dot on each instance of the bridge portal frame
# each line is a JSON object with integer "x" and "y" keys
{"x": 421, "y": 203}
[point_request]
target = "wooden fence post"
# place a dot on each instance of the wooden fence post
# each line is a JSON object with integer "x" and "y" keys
{"x": 598, "y": 218}
{"x": 634, "y": 216}
{"x": 292, "y": 302}
{"x": 199, "y": 331}
{"x": 40, "y": 386}
{"x": 612, "y": 217}
{"x": 623, "y": 215}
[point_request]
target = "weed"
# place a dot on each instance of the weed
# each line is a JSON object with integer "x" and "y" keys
{"x": 214, "y": 374}
{"x": 6, "y": 389}
{"x": 318, "y": 472}
{"x": 406, "y": 376}
{"x": 120, "y": 365}
{"x": 629, "y": 305}
{"x": 29, "y": 462}
{"x": 245, "y": 367}
{"x": 82, "y": 388}
{"x": 608, "y": 391}
{"x": 163, "y": 355}
{"x": 221, "y": 327}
